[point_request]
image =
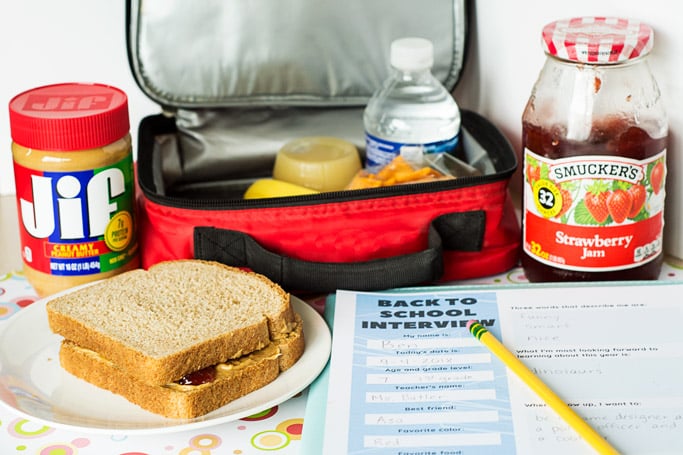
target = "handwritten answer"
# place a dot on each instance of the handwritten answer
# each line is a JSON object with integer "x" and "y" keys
{"x": 622, "y": 421}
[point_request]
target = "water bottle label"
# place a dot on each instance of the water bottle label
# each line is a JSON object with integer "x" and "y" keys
{"x": 380, "y": 152}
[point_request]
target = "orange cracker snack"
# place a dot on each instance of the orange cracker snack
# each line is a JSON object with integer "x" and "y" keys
{"x": 398, "y": 171}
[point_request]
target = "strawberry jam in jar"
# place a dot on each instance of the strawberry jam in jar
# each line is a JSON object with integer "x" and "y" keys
{"x": 595, "y": 138}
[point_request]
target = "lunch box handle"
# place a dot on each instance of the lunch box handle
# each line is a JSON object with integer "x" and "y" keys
{"x": 456, "y": 231}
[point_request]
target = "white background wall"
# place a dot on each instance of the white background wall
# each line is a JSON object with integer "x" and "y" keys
{"x": 47, "y": 41}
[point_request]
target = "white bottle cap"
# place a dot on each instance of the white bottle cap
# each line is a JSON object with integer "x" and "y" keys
{"x": 412, "y": 54}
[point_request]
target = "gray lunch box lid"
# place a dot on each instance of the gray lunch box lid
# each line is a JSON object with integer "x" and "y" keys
{"x": 218, "y": 53}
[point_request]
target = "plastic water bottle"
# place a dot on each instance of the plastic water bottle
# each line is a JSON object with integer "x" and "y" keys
{"x": 413, "y": 113}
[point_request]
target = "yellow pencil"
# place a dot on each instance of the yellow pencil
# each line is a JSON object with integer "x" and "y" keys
{"x": 549, "y": 397}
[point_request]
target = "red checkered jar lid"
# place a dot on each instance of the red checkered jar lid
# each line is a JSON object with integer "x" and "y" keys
{"x": 597, "y": 40}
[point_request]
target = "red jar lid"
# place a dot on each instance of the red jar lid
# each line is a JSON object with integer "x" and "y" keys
{"x": 597, "y": 39}
{"x": 68, "y": 117}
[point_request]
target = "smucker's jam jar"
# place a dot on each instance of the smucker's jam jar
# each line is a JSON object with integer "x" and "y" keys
{"x": 595, "y": 138}
{"x": 73, "y": 169}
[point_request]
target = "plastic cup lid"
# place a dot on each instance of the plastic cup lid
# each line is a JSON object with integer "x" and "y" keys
{"x": 412, "y": 54}
{"x": 598, "y": 40}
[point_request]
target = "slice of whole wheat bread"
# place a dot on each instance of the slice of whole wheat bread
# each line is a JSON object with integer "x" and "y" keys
{"x": 176, "y": 318}
{"x": 233, "y": 379}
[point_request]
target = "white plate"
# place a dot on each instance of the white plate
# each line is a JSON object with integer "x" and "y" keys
{"x": 34, "y": 385}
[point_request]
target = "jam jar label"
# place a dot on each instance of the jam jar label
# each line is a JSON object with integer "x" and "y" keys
{"x": 79, "y": 222}
{"x": 593, "y": 213}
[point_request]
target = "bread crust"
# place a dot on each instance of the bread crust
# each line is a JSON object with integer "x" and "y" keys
{"x": 236, "y": 379}
{"x": 68, "y": 318}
